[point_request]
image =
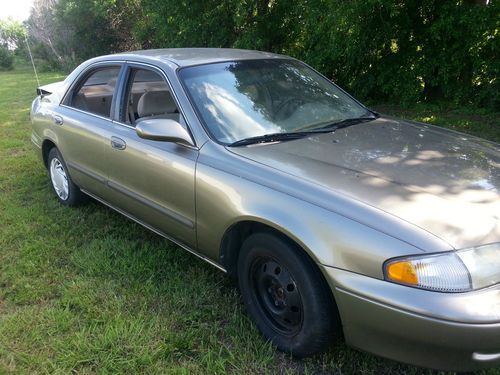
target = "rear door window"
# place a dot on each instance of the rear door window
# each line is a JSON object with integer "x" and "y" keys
{"x": 95, "y": 93}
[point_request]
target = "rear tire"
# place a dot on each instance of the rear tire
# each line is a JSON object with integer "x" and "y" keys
{"x": 286, "y": 295}
{"x": 66, "y": 192}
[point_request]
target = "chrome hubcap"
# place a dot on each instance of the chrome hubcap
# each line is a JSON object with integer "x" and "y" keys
{"x": 59, "y": 179}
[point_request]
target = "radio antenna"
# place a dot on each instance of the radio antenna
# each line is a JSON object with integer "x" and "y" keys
{"x": 31, "y": 57}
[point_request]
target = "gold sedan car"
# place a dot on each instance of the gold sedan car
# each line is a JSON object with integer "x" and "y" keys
{"x": 335, "y": 221}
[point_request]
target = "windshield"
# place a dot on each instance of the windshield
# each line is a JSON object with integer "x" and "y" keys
{"x": 243, "y": 99}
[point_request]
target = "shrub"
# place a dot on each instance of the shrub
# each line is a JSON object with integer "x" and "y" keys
{"x": 6, "y": 59}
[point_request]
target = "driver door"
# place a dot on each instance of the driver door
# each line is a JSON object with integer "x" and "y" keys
{"x": 153, "y": 181}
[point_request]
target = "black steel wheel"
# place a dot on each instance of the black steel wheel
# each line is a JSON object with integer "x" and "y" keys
{"x": 275, "y": 291}
{"x": 286, "y": 295}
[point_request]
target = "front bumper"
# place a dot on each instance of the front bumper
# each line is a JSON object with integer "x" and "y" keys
{"x": 446, "y": 331}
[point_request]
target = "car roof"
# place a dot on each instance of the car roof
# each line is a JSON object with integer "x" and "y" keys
{"x": 196, "y": 56}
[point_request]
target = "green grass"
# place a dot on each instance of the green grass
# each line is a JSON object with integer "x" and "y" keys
{"x": 476, "y": 121}
{"x": 85, "y": 290}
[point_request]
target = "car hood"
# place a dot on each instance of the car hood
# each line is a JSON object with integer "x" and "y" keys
{"x": 443, "y": 182}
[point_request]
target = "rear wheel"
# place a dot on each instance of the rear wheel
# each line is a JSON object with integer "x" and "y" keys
{"x": 65, "y": 190}
{"x": 286, "y": 295}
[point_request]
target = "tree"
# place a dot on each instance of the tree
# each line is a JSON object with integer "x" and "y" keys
{"x": 66, "y": 32}
{"x": 12, "y": 34}
{"x": 50, "y": 41}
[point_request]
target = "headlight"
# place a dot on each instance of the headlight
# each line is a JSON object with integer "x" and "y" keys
{"x": 456, "y": 271}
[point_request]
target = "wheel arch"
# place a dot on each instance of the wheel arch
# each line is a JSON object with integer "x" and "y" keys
{"x": 47, "y": 145}
{"x": 236, "y": 234}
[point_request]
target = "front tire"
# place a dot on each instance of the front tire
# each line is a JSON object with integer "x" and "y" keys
{"x": 66, "y": 192}
{"x": 286, "y": 295}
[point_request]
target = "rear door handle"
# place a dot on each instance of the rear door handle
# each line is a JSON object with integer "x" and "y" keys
{"x": 118, "y": 143}
{"x": 58, "y": 120}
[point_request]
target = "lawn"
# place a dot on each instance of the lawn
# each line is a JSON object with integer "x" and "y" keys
{"x": 86, "y": 290}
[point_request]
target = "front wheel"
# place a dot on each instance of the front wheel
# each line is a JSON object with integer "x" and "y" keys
{"x": 65, "y": 190}
{"x": 286, "y": 295}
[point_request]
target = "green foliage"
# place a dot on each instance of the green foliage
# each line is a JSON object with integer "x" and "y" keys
{"x": 12, "y": 42}
{"x": 96, "y": 27}
{"x": 206, "y": 23}
{"x": 64, "y": 33}
{"x": 12, "y": 34}
{"x": 6, "y": 58}
{"x": 403, "y": 51}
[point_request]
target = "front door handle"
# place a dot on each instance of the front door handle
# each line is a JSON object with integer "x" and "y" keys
{"x": 58, "y": 120}
{"x": 118, "y": 143}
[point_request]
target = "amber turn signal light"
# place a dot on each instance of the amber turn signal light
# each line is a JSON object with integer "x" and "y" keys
{"x": 402, "y": 272}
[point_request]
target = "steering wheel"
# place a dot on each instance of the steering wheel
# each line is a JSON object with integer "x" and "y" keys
{"x": 287, "y": 107}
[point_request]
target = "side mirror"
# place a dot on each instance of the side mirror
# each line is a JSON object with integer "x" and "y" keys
{"x": 160, "y": 129}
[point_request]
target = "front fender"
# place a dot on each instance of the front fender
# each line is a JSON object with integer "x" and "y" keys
{"x": 224, "y": 199}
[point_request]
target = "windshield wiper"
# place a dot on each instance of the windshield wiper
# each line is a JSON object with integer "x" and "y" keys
{"x": 280, "y": 137}
{"x": 267, "y": 138}
{"x": 343, "y": 123}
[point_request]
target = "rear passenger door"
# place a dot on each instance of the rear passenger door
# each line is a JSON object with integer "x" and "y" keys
{"x": 151, "y": 180}
{"x": 81, "y": 123}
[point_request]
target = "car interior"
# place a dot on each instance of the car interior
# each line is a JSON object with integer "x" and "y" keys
{"x": 149, "y": 97}
{"x": 96, "y": 93}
